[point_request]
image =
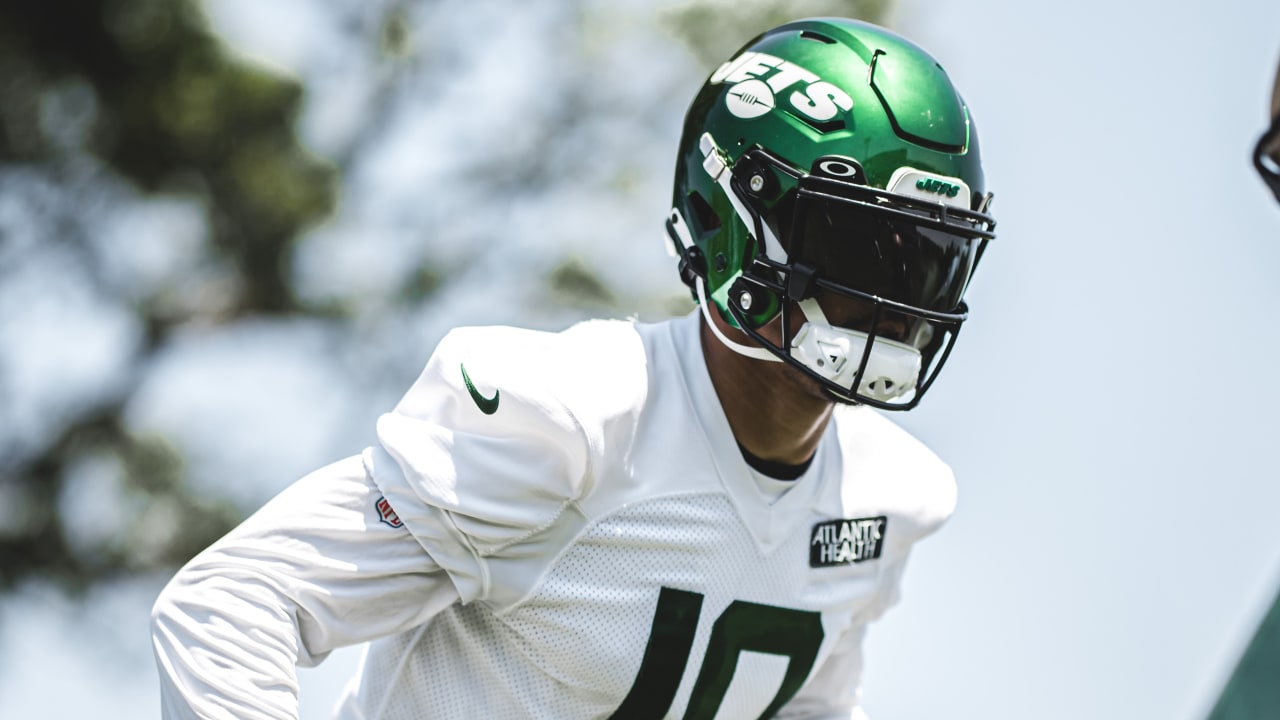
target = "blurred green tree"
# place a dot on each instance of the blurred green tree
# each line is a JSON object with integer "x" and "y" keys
{"x": 713, "y": 29}
{"x": 143, "y": 91}
{"x": 144, "y": 87}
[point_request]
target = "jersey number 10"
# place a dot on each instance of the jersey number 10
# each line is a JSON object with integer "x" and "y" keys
{"x": 795, "y": 634}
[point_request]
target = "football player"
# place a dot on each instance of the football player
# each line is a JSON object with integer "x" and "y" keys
{"x": 691, "y": 519}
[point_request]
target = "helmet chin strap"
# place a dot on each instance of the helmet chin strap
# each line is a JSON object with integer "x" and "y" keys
{"x": 714, "y": 164}
{"x": 835, "y": 353}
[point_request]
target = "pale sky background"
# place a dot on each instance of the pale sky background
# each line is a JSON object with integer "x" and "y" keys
{"x": 1108, "y": 410}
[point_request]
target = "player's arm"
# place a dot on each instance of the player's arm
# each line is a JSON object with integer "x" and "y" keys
{"x": 479, "y": 456}
{"x": 315, "y": 569}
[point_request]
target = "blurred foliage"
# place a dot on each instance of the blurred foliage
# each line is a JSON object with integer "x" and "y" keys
{"x": 143, "y": 92}
{"x": 714, "y": 29}
{"x": 168, "y": 107}
{"x": 147, "y": 90}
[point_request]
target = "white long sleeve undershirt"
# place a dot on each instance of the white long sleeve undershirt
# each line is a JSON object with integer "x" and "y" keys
{"x": 312, "y": 571}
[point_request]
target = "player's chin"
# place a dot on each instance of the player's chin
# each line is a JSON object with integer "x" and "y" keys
{"x": 839, "y": 398}
{"x": 812, "y": 389}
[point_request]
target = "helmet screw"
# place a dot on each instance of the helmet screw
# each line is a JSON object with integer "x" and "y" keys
{"x": 757, "y": 183}
{"x": 744, "y": 300}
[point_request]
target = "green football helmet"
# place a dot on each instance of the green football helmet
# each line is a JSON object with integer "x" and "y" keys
{"x": 831, "y": 163}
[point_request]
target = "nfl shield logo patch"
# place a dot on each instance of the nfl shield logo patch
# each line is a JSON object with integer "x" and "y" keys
{"x": 386, "y": 514}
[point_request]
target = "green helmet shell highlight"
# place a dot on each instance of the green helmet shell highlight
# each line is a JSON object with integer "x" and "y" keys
{"x": 818, "y": 106}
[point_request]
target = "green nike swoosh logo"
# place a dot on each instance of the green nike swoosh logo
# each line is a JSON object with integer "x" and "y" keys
{"x": 488, "y": 406}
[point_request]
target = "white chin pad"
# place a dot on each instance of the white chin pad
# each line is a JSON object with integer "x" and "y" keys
{"x": 834, "y": 353}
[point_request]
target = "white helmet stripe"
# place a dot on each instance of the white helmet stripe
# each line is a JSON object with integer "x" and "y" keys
{"x": 713, "y": 162}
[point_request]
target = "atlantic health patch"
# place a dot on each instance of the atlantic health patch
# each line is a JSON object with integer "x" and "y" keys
{"x": 841, "y": 542}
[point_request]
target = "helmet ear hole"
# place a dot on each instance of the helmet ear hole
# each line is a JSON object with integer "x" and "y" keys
{"x": 705, "y": 217}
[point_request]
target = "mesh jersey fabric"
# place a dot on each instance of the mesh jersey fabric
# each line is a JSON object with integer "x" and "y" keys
{"x": 606, "y": 480}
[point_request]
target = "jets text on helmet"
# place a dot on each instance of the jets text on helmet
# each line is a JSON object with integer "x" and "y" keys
{"x": 765, "y": 76}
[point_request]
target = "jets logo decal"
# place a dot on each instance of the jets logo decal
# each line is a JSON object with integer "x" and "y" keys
{"x": 939, "y": 188}
{"x": 487, "y": 405}
{"x": 758, "y": 79}
{"x": 843, "y": 542}
{"x": 749, "y": 99}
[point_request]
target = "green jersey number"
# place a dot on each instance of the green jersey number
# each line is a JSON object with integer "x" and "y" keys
{"x": 795, "y": 634}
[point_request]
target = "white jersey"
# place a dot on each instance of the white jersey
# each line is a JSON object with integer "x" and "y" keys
{"x": 595, "y": 547}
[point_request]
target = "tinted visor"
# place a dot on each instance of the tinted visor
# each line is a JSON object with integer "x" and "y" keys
{"x": 891, "y": 266}
{"x": 897, "y": 253}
